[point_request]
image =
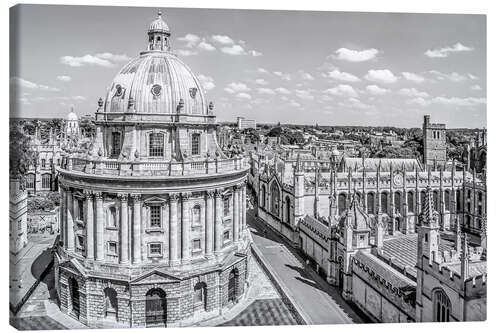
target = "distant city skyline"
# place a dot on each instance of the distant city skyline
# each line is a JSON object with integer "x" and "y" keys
{"x": 299, "y": 67}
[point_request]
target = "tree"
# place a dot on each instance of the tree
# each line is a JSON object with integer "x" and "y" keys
{"x": 22, "y": 154}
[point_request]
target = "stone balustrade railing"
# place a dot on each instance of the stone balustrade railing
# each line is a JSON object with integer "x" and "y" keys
{"x": 103, "y": 166}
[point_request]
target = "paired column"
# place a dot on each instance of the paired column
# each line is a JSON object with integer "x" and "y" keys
{"x": 186, "y": 255}
{"x": 124, "y": 257}
{"x": 218, "y": 219}
{"x": 174, "y": 256}
{"x": 236, "y": 213}
{"x": 243, "y": 223}
{"x": 136, "y": 229}
{"x": 209, "y": 224}
{"x": 99, "y": 235}
{"x": 62, "y": 222}
{"x": 70, "y": 241}
{"x": 90, "y": 224}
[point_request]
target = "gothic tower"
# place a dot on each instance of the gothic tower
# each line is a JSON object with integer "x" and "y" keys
{"x": 434, "y": 138}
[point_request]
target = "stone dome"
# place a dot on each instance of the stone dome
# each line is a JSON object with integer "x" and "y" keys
{"x": 156, "y": 82}
{"x": 72, "y": 116}
{"x": 159, "y": 25}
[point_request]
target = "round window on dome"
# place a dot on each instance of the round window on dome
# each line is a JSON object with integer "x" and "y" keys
{"x": 156, "y": 90}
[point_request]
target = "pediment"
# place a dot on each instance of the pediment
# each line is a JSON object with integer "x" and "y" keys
{"x": 154, "y": 200}
{"x": 154, "y": 276}
{"x": 73, "y": 266}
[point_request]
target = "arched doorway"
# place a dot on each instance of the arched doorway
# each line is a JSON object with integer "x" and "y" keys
{"x": 110, "y": 304}
{"x": 75, "y": 297}
{"x": 232, "y": 286}
{"x": 156, "y": 307}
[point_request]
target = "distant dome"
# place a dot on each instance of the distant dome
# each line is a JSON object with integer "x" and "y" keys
{"x": 72, "y": 116}
{"x": 159, "y": 25}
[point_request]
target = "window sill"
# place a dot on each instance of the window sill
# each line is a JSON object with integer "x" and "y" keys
{"x": 196, "y": 226}
{"x": 196, "y": 252}
{"x": 111, "y": 228}
{"x": 155, "y": 255}
{"x": 153, "y": 230}
{"x": 112, "y": 254}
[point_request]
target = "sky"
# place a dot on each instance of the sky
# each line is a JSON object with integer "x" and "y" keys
{"x": 300, "y": 67}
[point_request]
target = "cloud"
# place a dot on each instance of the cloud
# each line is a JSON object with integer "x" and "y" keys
{"x": 190, "y": 40}
{"x": 284, "y": 76}
{"x": 254, "y": 53}
{"x": 262, "y": 70}
{"x": 412, "y": 92}
{"x": 222, "y": 39}
{"x": 355, "y": 103}
{"x": 306, "y": 76}
{"x": 447, "y": 50}
{"x": 343, "y": 76}
{"x": 25, "y": 84}
{"x": 413, "y": 77}
{"x": 476, "y": 87}
{"x": 243, "y": 95}
{"x": 454, "y": 76}
{"x": 293, "y": 104}
{"x": 233, "y": 50}
{"x": 64, "y": 78}
{"x": 283, "y": 91}
{"x": 262, "y": 82}
{"x": 342, "y": 90}
{"x": 206, "y": 46}
{"x": 235, "y": 87}
{"x": 304, "y": 94}
{"x": 266, "y": 91}
{"x": 354, "y": 55}
{"x": 186, "y": 53}
{"x": 381, "y": 76}
{"x": 449, "y": 101}
{"x": 106, "y": 59}
{"x": 376, "y": 90}
{"x": 207, "y": 82}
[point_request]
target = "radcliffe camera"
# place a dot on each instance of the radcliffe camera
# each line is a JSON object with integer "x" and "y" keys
{"x": 174, "y": 167}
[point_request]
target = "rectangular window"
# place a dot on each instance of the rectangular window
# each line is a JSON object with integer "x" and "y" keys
{"x": 115, "y": 144}
{"x": 43, "y": 162}
{"x": 227, "y": 201}
{"x": 156, "y": 144}
{"x": 80, "y": 210}
{"x": 155, "y": 249}
{"x": 195, "y": 144}
{"x": 58, "y": 161}
{"x": 155, "y": 216}
{"x": 226, "y": 235}
{"x": 196, "y": 244}
{"x": 112, "y": 248}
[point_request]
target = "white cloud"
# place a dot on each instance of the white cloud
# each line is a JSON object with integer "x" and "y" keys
{"x": 222, "y": 39}
{"x": 356, "y": 56}
{"x": 206, "y": 46}
{"x": 186, "y": 53}
{"x": 266, "y": 91}
{"x": 100, "y": 59}
{"x": 352, "y": 102}
{"x": 306, "y": 76}
{"x": 283, "y": 91}
{"x": 343, "y": 76}
{"x": 419, "y": 100}
{"x": 190, "y": 39}
{"x": 413, "y": 77}
{"x": 472, "y": 77}
{"x": 446, "y": 51}
{"x": 254, "y": 53}
{"x": 293, "y": 104}
{"x": 376, "y": 90}
{"x": 284, "y": 76}
{"x": 207, "y": 82}
{"x": 412, "y": 92}
{"x": 476, "y": 87}
{"x": 449, "y": 101}
{"x": 381, "y": 76}
{"x": 235, "y": 87}
{"x": 262, "y": 70}
{"x": 233, "y": 50}
{"x": 243, "y": 95}
{"x": 22, "y": 83}
{"x": 262, "y": 82}
{"x": 64, "y": 78}
{"x": 304, "y": 94}
{"x": 342, "y": 90}
{"x": 454, "y": 76}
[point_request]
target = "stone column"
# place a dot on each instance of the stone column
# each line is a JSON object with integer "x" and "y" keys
{"x": 236, "y": 213}
{"x": 90, "y": 224}
{"x": 136, "y": 230}
{"x": 124, "y": 243}
{"x": 174, "y": 256}
{"x": 70, "y": 241}
{"x": 218, "y": 220}
{"x": 209, "y": 223}
{"x": 62, "y": 222}
{"x": 243, "y": 223}
{"x": 99, "y": 235}
{"x": 186, "y": 255}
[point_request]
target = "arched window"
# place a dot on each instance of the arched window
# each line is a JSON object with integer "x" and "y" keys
{"x": 156, "y": 145}
{"x": 195, "y": 144}
{"x": 200, "y": 296}
{"x": 371, "y": 203}
{"x": 342, "y": 203}
{"x": 43, "y": 163}
{"x": 447, "y": 200}
{"x": 288, "y": 210}
{"x": 397, "y": 202}
{"x": 46, "y": 181}
{"x": 196, "y": 215}
{"x": 263, "y": 196}
{"x": 115, "y": 144}
{"x": 110, "y": 304}
{"x": 411, "y": 202}
{"x": 384, "y": 202}
{"x": 232, "y": 285}
{"x": 75, "y": 297}
{"x": 275, "y": 199}
{"x": 112, "y": 217}
{"x": 442, "y": 306}
{"x": 435, "y": 200}
{"x": 422, "y": 201}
